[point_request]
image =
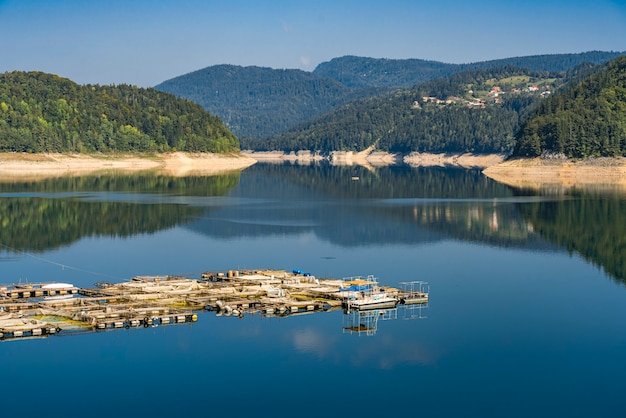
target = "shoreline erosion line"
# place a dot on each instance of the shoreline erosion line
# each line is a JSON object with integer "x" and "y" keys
{"x": 525, "y": 173}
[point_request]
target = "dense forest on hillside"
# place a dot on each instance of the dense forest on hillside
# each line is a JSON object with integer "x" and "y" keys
{"x": 592, "y": 227}
{"x": 587, "y": 119}
{"x": 42, "y": 112}
{"x": 358, "y": 72}
{"x": 260, "y": 102}
{"x": 473, "y": 111}
{"x": 257, "y": 103}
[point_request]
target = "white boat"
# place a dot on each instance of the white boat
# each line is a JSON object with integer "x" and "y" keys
{"x": 372, "y": 301}
{"x": 365, "y": 294}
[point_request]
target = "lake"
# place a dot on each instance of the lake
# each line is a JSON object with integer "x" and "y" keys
{"x": 526, "y": 317}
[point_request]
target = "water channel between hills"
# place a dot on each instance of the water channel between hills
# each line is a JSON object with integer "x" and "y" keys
{"x": 526, "y": 312}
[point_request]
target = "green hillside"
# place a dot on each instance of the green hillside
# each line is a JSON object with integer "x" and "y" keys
{"x": 259, "y": 102}
{"x": 587, "y": 119}
{"x": 42, "y": 112}
{"x": 473, "y": 111}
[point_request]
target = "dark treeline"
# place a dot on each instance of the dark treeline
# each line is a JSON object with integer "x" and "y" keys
{"x": 41, "y": 112}
{"x": 587, "y": 119}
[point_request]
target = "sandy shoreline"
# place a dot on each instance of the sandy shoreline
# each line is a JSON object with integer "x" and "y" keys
{"x": 538, "y": 173}
{"x": 37, "y": 166}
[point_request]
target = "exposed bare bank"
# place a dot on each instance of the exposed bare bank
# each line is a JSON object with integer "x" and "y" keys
{"x": 534, "y": 173}
{"x": 538, "y": 173}
{"x": 32, "y": 166}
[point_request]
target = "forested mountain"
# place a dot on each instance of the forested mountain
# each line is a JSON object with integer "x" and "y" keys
{"x": 473, "y": 111}
{"x": 358, "y": 72}
{"x": 42, "y": 112}
{"x": 257, "y": 102}
{"x": 260, "y": 102}
{"x": 586, "y": 119}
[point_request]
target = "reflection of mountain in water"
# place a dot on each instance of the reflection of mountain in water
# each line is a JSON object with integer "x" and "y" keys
{"x": 590, "y": 223}
{"x": 392, "y": 205}
{"x": 54, "y": 212}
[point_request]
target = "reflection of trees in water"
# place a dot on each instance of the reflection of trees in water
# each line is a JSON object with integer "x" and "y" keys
{"x": 391, "y": 205}
{"x": 138, "y": 183}
{"x": 388, "y": 205}
{"x": 42, "y": 221}
{"x": 390, "y": 182}
{"x": 38, "y": 224}
{"x": 590, "y": 224}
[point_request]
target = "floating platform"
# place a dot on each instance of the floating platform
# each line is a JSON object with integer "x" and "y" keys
{"x": 37, "y": 290}
{"x": 149, "y": 301}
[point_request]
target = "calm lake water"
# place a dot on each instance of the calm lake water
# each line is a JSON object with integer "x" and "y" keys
{"x": 527, "y": 312}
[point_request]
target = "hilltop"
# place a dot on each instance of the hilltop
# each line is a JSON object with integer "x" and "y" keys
{"x": 42, "y": 112}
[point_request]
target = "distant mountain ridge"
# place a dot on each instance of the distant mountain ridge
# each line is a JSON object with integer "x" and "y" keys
{"x": 259, "y": 103}
{"x": 359, "y": 72}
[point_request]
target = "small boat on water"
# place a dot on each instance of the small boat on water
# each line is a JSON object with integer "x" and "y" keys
{"x": 363, "y": 294}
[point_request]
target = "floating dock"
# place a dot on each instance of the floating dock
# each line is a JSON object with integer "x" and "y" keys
{"x": 44, "y": 309}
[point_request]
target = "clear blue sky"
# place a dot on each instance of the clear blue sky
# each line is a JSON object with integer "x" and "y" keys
{"x": 145, "y": 42}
